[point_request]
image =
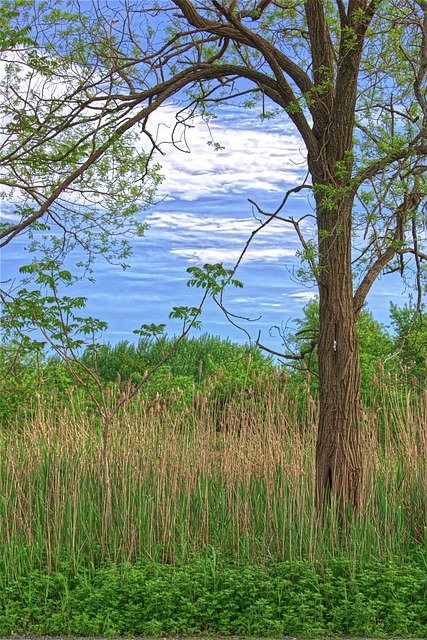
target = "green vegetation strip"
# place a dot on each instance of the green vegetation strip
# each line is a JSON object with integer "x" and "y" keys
{"x": 290, "y": 598}
{"x": 193, "y": 509}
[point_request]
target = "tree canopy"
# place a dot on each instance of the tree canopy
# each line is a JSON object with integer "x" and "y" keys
{"x": 81, "y": 81}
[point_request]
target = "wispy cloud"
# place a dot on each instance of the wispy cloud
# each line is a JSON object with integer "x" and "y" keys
{"x": 252, "y": 158}
{"x": 230, "y": 256}
{"x": 201, "y": 223}
{"x": 271, "y": 305}
{"x": 6, "y": 215}
{"x": 304, "y": 296}
{"x": 229, "y": 231}
{"x": 391, "y": 294}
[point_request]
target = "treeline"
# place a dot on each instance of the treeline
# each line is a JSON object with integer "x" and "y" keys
{"x": 216, "y": 368}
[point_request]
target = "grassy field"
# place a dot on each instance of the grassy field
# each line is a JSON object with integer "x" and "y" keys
{"x": 211, "y": 523}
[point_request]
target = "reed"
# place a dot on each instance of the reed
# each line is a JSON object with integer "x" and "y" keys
{"x": 238, "y": 479}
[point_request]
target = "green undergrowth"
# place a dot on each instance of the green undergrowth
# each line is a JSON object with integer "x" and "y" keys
{"x": 192, "y": 509}
{"x": 208, "y": 595}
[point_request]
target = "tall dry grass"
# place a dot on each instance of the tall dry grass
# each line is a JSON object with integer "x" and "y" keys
{"x": 238, "y": 479}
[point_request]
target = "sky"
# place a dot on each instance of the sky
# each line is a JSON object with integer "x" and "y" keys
{"x": 202, "y": 214}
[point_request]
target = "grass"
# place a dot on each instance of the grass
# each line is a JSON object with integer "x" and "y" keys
{"x": 215, "y": 503}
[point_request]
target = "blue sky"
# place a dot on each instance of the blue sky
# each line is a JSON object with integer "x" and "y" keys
{"x": 203, "y": 215}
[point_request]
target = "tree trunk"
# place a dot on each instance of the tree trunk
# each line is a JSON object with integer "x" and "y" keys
{"x": 339, "y": 468}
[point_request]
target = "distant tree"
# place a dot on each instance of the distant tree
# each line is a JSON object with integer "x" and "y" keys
{"x": 350, "y": 75}
{"x": 377, "y": 346}
{"x": 376, "y": 350}
{"x": 411, "y": 340}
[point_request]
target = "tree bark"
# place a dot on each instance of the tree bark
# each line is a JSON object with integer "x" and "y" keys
{"x": 339, "y": 467}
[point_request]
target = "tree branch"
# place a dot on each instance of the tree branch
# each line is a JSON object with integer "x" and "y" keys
{"x": 409, "y": 204}
{"x": 155, "y": 97}
{"x": 289, "y": 356}
{"x": 322, "y": 55}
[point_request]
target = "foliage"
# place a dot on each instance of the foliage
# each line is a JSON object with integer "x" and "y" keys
{"x": 411, "y": 341}
{"x": 66, "y": 183}
{"x": 379, "y": 348}
{"x": 19, "y": 381}
{"x": 218, "y": 369}
{"x": 11, "y": 34}
{"x": 216, "y": 597}
{"x": 207, "y": 365}
{"x": 54, "y": 317}
{"x": 376, "y": 346}
{"x": 197, "y": 358}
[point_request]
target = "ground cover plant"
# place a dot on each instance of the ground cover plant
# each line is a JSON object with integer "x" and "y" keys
{"x": 213, "y": 525}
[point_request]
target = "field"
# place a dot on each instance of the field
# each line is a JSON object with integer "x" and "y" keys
{"x": 200, "y": 516}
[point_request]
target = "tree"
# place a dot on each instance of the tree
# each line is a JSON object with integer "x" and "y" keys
{"x": 376, "y": 346}
{"x": 411, "y": 341}
{"x": 351, "y": 77}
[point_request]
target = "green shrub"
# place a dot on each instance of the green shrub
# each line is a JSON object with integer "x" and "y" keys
{"x": 291, "y": 598}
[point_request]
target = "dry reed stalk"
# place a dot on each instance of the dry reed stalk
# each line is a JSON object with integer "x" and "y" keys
{"x": 171, "y": 472}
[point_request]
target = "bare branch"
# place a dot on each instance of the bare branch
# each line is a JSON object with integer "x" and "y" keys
{"x": 414, "y": 251}
{"x": 408, "y": 206}
{"x": 289, "y": 356}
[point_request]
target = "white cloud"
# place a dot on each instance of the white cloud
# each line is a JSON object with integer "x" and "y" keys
{"x": 270, "y": 305}
{"x": 183, "y": 226}
{"x": 395, "y": 294}
{"x": 304, "y": 296}
{"x": 252, "y": 158}
{"x": 257, "y": 156}
{"x": 6, "y": 215}
{"x": 214, "y": 238}
{"x": 201, "y": 224}
{"x": 230, "y": 256}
